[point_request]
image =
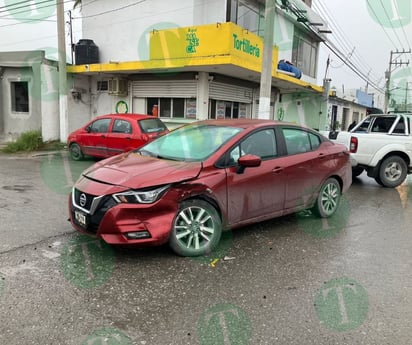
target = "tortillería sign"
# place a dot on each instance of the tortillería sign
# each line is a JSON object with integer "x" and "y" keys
{"x": 245, "y": 45}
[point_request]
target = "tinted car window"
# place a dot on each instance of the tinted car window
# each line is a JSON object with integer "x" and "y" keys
{"x": 121, "y": 126}
{"x": 363, "y": 127}
{"x": 152, "y": 125}
{"x": 383, "y": 124}
{"x": 314, "y": 141}
{"x": 262, "y": 144}
{"x": 100, "y": 126}
{"x": 297, "y": 141}
{"x": 400, "y": 127}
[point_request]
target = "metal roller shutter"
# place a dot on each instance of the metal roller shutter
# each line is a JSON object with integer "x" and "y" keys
{"x": 227, "y": 92}
{"x": 165, "y": 88}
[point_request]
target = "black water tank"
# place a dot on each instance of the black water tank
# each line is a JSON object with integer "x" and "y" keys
{"x": 86, "y": 52}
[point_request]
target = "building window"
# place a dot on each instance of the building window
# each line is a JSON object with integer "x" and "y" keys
{"x": 102, "y": 85}
{"x": 304, "y": 54}
{"x": 167, "y": 107}
{"x": 19, "y": 91}
{"x": 226, "y": 109}
{"x": 248, "y": 14}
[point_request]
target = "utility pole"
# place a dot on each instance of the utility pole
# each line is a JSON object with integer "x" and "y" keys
{"x": 406, "y": 96}
{"x": 61, "y": 47}
{"x": 266, "y": 71}
{"x": 393, "y": 62}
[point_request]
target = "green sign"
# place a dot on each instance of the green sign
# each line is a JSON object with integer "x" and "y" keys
{"x": 107, "y": 336}
{"x": 220, "y": 252}
{"x": 87, "y": 262}
{"x": 245, "y": 46}
{"x": 59, "y": 172}
{"x": 391, "y": 14}
{"x": 325, "y": 227}
{"x": 30, "y": 12}
{"x": 342, "y": 304}
{"x": 224, "y": 324}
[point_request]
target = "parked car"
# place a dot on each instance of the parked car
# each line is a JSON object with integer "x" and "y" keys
{"x": 111, "y": 134}
{"x": 189, "y": 185}
{"x": 381, "y": 145}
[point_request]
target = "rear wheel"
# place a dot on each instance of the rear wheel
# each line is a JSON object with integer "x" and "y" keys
{"x": 197, "y": 229}
{"x": 76, "y": 152}
{"x": 379, "y": 181}
{"x": 392, "y": 171}
{"x": 328, "y": 199}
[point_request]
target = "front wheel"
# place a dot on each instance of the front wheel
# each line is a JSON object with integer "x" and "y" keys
{"x": 76, "y": 152}
{"x": 328, "y": 199}
{"x": 197, "y": 229}
{"x": 392, "y": 171}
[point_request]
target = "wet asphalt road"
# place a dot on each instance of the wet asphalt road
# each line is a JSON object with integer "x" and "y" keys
{"x": 293, "y": 280}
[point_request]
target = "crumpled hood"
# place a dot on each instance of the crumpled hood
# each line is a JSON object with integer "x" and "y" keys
{"x": 134, "y": 171}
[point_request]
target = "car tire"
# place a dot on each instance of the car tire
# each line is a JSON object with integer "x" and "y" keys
{"x": 356, "y": 171}
{"x": 392, "y": 171}
{"x": 379, "y": 181}
{"x": 197, "y": 229}
{"x": 76, "y": 152}
{"x": 328, "y": 198}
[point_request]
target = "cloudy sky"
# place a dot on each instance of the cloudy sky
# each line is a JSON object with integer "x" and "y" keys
{"x": 33, "y": 26}
{"x": 364, "y": 32}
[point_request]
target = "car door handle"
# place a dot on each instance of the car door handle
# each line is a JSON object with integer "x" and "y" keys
{"x": 322, "y": 155}
{"x": 277, "y": 170}
{"x": 102, "y": 136}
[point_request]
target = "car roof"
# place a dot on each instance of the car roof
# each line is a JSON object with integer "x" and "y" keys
{"x": 246, "y": 123}
{"x": 134, "y": 116}
{"x": 391, "y": 114}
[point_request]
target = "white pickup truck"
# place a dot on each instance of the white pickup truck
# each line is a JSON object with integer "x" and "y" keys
{"x": 381, "y": 145}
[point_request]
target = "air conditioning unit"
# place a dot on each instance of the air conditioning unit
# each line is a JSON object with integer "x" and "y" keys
{"x": 118, "y": 87}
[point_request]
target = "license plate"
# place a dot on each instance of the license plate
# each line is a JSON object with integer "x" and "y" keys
{"x": 80, "y": 218}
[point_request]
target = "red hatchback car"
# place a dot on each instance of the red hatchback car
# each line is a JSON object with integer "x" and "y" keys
{"x": 111, "y": 134}
{"x": 191, "y": 184}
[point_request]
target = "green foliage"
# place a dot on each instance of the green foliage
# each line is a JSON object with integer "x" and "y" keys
{"x": 27, "y": 141}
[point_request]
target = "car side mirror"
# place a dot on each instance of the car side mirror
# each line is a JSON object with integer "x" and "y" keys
{"x": 248, "y": 161}
{"x": 88, "y": 129}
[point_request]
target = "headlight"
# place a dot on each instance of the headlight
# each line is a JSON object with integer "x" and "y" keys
{"x": 140, "y": 196}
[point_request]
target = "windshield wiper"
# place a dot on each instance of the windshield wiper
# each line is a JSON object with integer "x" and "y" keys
{"x": 146, "y": 153}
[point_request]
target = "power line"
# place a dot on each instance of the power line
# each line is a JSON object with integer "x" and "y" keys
{"x": 348, "y": 50}
{"x": 112, "y": 11}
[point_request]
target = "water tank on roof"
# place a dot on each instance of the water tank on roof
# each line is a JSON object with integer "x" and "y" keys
{"x": 86, "y": 52}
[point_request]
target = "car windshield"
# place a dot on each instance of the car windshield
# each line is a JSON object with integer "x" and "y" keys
{"x": 190, "y": 142}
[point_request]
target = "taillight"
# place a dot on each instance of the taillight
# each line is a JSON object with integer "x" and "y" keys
{"x": 353, "y": 144}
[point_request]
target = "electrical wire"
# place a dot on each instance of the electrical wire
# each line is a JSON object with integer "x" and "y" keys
{"x": 114, "y": 10}
{"x": 350, "y": 54}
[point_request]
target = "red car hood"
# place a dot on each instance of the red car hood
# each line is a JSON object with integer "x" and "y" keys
{"x": 135, "y": 171}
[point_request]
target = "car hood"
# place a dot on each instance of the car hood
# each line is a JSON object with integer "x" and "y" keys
{"x": 132, "y": 170}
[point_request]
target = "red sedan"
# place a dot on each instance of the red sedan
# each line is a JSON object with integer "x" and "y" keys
{"x": 111, "y": 134}
{"x": 191, "y": 184}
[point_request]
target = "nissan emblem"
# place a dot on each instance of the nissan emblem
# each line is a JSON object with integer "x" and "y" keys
{"x": 83, "y": 199}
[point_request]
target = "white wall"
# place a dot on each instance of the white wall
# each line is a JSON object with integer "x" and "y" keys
{"x": 17, "y": 123}
{"x": 124, "y": 35}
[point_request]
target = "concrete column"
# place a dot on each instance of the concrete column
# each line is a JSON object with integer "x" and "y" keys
{"x": 202, "y": 97}
{"x": 49, "y": 105}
